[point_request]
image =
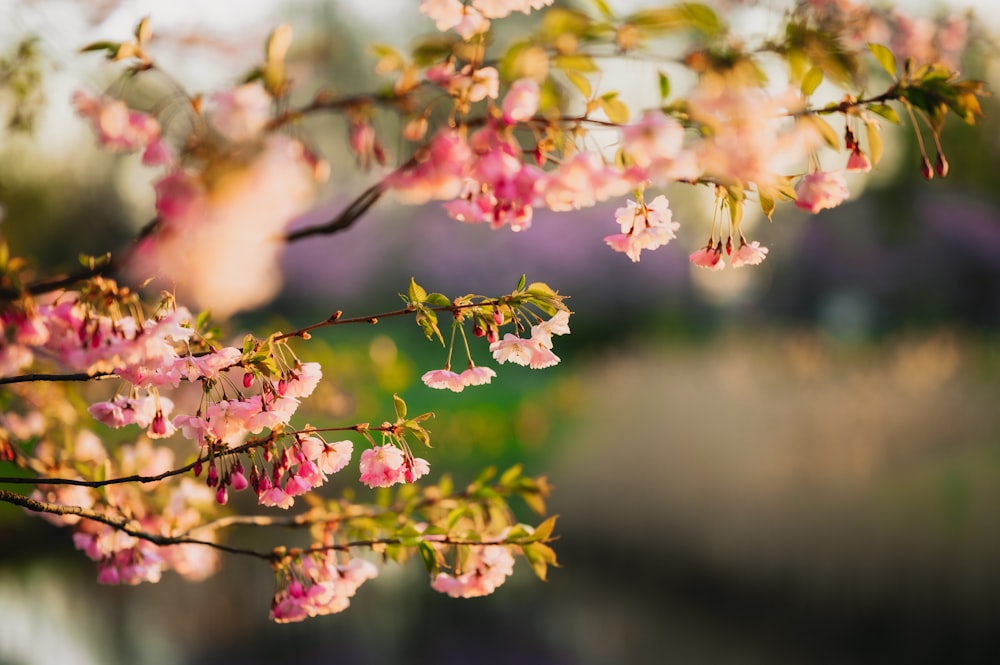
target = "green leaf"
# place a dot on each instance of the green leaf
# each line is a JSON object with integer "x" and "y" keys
{"x": 520, "y": 283}
{"x": 429, "y": 556}
{"x": 580, "y": 82}
{"x": 664, "y": 86}
{"x": 101, "y": 46}
{"x": 416, "y": 292}
{"x": 543, "y": 531}
{"x": 811, "y": 81}
{"x": 400, "y": 407}
{"x": 766, "y": 204}
{"x": 830, "y": 137}
{"x": 885, "y": 57}
{"x": 510, "y": 475}
{"x": 702, "y": 18}
{"x": 437, "y": 300}
{"x": 874, "y": 141}
{"x": 614, "y": 108}
{"x": 603, "y": 8}
{"x": 575, "y": 63}
{"x": 885, "y": 111}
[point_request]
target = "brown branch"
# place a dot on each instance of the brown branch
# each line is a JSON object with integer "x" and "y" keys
{"x": 122, "y": 523}
{"x": 77, "y": 376}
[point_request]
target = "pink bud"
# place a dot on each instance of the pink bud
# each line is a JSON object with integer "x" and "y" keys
{"x": 925, "y": 168}
{"x": 213, "y": 474}
{"x": 238, "y": 480}
{"x": 197, "y": 468}
{"x": 941, "y": 166}
{"x": 247, "y": 380}
{"x": 478, "y": 331}
{"x": 159, "y": 425}
{"x": 492, "y": 335}
{"x": 497, "y": 317}
{"x": 222, "y": 495}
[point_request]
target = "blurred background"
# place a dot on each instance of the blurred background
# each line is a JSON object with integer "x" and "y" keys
{"x": 796, "y": 463}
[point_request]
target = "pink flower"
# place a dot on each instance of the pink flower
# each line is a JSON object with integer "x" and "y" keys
{"x": 644, "y": 226}
{"x": 443, "y": 378}
{"x": 382, "y": 466}
{"x": 708, "y": 257}
{"x": 447, "y": 14}
{"x": 242, "y": 113}
{"x": 521, "y": 101}
{"x": 749, "y": 254}
{"x": 415, "y": 468}
{"x": 119, "y": 129}
{"x": 858, "y": 162}
{"x": 526, "y": 352}
{"x": 821, "y": 190}
{"x": 486, "y": 568}
{"x": 557, "y": 325}
{"x": 303, "y": 381}
{"x": 477, "y": 376}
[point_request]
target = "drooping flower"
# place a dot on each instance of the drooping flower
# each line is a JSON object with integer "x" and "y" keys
{"x": 521, "y": 101}
{"x": 485, "y": 568}
{"x": 382, "y": 466}
{"x": 821, "y": 190}
{"x": 242, "y": 113}
{"x": 443, "y": 379}
{"x": 643, "y": 226}
{"x": 477, "y": 376}
{"x": 709, "y": 256}
{"x": 748, "y": 254}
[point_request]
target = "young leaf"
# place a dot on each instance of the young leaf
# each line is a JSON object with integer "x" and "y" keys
{"x": 614, "y": 108}
{"x": 874, "y": 141}
{"x": 400, "y": 407}
{"x": 885, "y": 111}
{"x": 664, "y": 86}
{"x": 416, "y": 292}
{"x": 885, "y": 57}
{"x": 811, "y": 81}
{"x": 580, "y": 82}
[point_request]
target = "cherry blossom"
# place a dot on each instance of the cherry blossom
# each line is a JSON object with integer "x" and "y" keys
{"x": 382, "y": 466}
{"x": 644, "y": 226}
{"x": 748, "y": 254}
{"x": 485, "y": 568}
{"x": 821, "y": 190}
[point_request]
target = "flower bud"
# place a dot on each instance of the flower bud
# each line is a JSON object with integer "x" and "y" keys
{"x": 478, "y": 331}
{"x": 497, "y": 317}
{"x": 213, "y": 474}
{"x": 222, "y": 495}
{"x": 197, "y": 468}
{"x": 238, "y": 480}
{"x": 942, "y": 165}
{"x": 247, "y": 380}
{"x": 925, "y": 168}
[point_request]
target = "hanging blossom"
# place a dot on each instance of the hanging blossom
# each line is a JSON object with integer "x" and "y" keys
{"x": 484, "y": 568}
{"x": 643, "y": 226}
{"x": 384, "y": 466}
{"x": 218, "y": 240}
{"x": 821, "y": 190}
{"x": 122, "y": 558}
{"x": 446, "y": 379}
{"x": 121, "y": 129}
{"x": 655, "y": 145}
{"x": 536, "y": 351}
{"x": 472, "y": 19}
{"x": 318, "y": 584}
{"x": 750, "y": 138}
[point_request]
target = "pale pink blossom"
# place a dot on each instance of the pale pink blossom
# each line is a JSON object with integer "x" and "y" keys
{"x": 748, "y": 254}
{"x": 466, "y": 20}
{"x": 242, "y": 113}
{"x": 485, "y": 568}
{"x": 709, "y": 257}
{"x": 477, "y": 376}
{"x": 557, "y": 325}
{"x": 303, "y": 380}
{"x": 443, "y": 379}
{"x": 821, "y": 190}
{"x": 521, "y": 101}
{"x": 858, "y": 162}
{"x": 219, "y": 239}
{"x": 382, "y": 466}
{"x": 415, "y": 468}
{"x": 643, "y": 226}
{"x": 526, "y": 352}
{"x": 581, "y": 182}
{"x": 119, "y": 129}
